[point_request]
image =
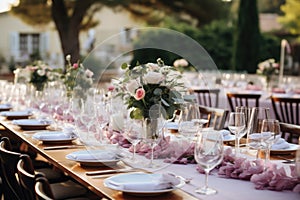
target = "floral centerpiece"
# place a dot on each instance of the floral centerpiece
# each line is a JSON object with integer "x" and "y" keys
{"x": 268, "y": 68}
{"x": 38, "y": 74}
{"x": 77, "y": 79}
{"x": 144, "y": 87}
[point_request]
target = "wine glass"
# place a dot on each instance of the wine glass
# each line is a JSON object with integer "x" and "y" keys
{"x": 87, "y": 117}
{"x": 247, "y": 113}
{"x": 270, "y": 134}
{"x": 189, "y": 120}
{"x": 133, "y": 132}
{"x": 258, "y": 114}
{"x": 153, "y": 133}
{"x": 208, "y": 154}
{"x": 103, "y": 119}
{"x": 236, "y": 125}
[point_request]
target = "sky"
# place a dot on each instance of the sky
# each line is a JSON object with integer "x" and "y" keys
{"x": 5, "y": 5}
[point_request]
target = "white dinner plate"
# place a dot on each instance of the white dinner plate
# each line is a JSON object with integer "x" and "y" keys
{"x": 54, "y": 137}
{"x": 137, "y": 178}
{"x": 292, "y": 148}
{"x": 32, "y": 124}
{"x": 94, "y": 158}
{"x": 5, "y": 107}
{"x": 10, "y": 115}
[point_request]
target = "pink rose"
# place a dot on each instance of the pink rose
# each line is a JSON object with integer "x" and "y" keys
{"x": 75, "y": 65}
{"x": 111, "y": 88}
{"x": 139, "y": 94}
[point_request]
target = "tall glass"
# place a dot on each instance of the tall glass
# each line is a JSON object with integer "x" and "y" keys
{"x": 153, "y": 133}
{"x": 258, "y": 114}
{"x": 270, "y": 134}
{"x": 247, "y": 113}
{"x": 236, "y": 125}
{"x": 133, "y": 132}
{"x": 208, "y": 153}
{"x": 189, "y": 120}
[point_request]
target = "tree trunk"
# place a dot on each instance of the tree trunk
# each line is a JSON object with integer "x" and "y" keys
{"x": 69, "y": 26}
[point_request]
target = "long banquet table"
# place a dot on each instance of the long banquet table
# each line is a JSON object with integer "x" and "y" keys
{"x": 227, "y": 188}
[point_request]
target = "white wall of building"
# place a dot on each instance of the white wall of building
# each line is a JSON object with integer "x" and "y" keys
{"x": 111, "y": 23}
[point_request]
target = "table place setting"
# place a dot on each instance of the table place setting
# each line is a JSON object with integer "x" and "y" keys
{"x": 50, "y": 137}
{"x": 32, "y": 124}
{"x": 13, "y": 115}
{"x": 144, "y": 184}
{"x": 95, "y": 157}
{"x": 5, "y": 107}
{"x": 283, "y": 147}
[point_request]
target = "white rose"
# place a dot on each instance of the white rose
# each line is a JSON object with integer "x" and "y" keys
{"x": 153, "y": 77}
{"x": 89, "y": 73}
{"x": 152, "y": 66}
{"x": 180, "y": 63}
{"x": 131, "y": 86}
{"x": 41, "y": 72}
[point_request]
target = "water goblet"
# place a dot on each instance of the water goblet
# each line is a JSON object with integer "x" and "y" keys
{"x": 152, "y": 134}
{"x": 236, "y": 125}
{"x": 247, "y": 113}
{"x": 133, "y": 132}
{"x": 87, "y": 117}
{"x": 208, "y": 154}
{"x": 270, "y": 134}
{"x": 258, "y": 114}
{"x": 189, "y": 120}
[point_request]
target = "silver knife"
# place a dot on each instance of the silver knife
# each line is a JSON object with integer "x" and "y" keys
{"x": 109, "y": 171}
{"x": 62, "y": 147}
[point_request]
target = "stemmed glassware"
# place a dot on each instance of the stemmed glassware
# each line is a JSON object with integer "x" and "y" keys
{"x": 153, "y": 133}
{"x": 189, "y": 120}
{"x": 87, "y": 117}
{"x": 208, "y": 153}
{"x": 258, "y": 114}
{"x": 270, "y": 134}
{"x": 247, "y": 113}
{"x": 236, "y": 125}
{"x": 102, "y": 118}
{"x": 133, "y": 132}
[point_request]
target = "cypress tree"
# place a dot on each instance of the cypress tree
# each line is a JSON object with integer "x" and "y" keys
{"x": 247, "y": 37}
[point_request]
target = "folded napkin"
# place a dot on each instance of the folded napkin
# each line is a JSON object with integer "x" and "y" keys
{"x": 280, "y": 144}
{"x": 90, "y": 155}
{"x": 16, "y": 113}
{"x": 226, "y": 134}
{"x": 52, "y": 136}
{"x": 164, "y": 181}
{"x": 6, "y": 105}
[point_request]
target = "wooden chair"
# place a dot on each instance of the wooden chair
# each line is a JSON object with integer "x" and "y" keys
{"x": 205, "y": 97}
{"x": 62, "y": 190}
{"x": 42, "y": 189}
{"x": 287, "y": 110}
{"x": 239, "y": 99}
{"x": 216, "y": 116}
{"x": 8, "y": 168}
{"x": 292, "y": 130}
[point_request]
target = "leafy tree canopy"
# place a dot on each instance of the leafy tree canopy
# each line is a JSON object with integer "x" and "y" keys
{"x": 291, "y": 17}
